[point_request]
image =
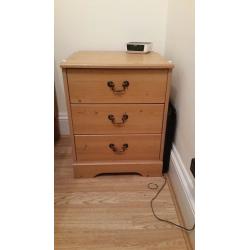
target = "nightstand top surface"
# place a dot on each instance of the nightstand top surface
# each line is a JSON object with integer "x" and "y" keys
{"x": 115, "y": 59}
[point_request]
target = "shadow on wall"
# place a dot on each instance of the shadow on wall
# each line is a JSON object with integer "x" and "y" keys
{"x": 174, "y": 92}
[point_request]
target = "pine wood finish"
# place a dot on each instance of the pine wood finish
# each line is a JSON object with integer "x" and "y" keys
{"x": 111, "y": 212}
{"x": 89, "y": 169}
{"x": 96, "y": 147}
{"x": 117, "y": 105}
{"x": 66, "y": 90}
{"x": 115, "y": 59}
{"x": 93, "y": 118}
{"x": 90, "y": 85}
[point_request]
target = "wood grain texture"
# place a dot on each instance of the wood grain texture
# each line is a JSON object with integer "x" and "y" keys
{"x": 97, "y": 147}
{"x": 93, "y": 118}
{"x": 145, "y": 168}
{"x": 115, "y": 59}
{"x": 110, "y": 212}
{"x": 90, "y": 85}
{"x": 135, "y": 80}
{"x": 66, "y": 90}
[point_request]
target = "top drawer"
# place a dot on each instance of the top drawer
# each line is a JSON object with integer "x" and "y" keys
{"x": 117, "y": 85}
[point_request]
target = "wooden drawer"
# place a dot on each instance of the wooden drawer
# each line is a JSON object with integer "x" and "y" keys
{"x": 140, "y": 85}
{"x": 117, "y": 118}
{"x": 132, "y": 147}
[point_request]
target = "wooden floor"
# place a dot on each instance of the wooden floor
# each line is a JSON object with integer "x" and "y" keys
{"x": 110, "y": 212}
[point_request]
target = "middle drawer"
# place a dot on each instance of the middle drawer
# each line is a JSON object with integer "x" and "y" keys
{"x": 117, "y": 118}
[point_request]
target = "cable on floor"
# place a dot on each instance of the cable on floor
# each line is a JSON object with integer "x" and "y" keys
{"x": 155, "y": 186}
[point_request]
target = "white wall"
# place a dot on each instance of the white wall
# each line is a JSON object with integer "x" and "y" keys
{"x": 180, "y": 44}
{"x": 180, "y": 49}
{"x": 105, "y": 25}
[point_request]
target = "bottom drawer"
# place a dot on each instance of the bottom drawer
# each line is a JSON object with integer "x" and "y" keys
{"x": 117, "y": 147}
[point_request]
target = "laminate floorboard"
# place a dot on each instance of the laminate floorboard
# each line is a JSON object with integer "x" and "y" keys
{"x": 111, "y": 212}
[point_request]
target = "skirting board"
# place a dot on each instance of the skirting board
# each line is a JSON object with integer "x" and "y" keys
{"x": 183, "y": 186}
{"x": 63, "y": 124}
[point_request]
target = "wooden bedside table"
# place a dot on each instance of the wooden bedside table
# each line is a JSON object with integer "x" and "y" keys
{"x": 117, "y": 107}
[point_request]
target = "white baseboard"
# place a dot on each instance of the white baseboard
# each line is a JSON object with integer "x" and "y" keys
{"x": 63, "y": 124}
{"x": 183, "y": 185}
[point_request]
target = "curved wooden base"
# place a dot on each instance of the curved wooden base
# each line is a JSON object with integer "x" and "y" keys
{"x": 92, "y": 169}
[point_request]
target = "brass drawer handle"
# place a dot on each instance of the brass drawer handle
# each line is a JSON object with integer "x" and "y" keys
{"x": 113, "y": 120}
{"x": 118, "y": 151}
{"x": 118, "y": 91}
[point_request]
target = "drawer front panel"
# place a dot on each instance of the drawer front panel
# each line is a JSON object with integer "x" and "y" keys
{"x": 117, "y": 147}
{"x": 117, "y": 86}
{"x": 117, "y": 118}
